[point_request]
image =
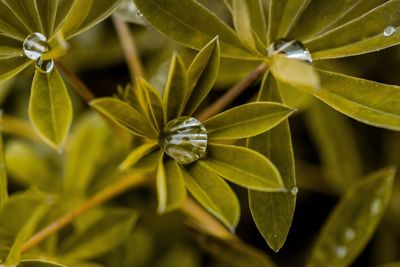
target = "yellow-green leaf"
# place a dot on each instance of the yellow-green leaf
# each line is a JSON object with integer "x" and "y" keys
{"x": 38, "y": 263}
{"x": 10, "y": 24}
{"x": 50, "y": 108}
{"x": 149, "y": 162}
{"x": 137, "y": 154}
{"x": 273, "y": 212}
{"x": 12, "y": 64}
{"x": 191, "y": 24}
{"x": 290, "y": 14}
{"x": 125, "y": 116}
{"x": 3, "y": 175}
{"x": 246, "y": 120}
{"x": 392, "y": 264}
{"x": 353, "y": 221}
{"x": 201, "y": 75}
{"x": 213, "y": 193}
{"x": 244, "y": 167}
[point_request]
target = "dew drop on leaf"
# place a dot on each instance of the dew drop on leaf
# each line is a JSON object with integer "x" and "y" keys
{"x": 35, "y": 45}
{"x": 389, "y": 30}
{"x": 340, "y": 251}
{"x": 44, "y": 66}
{"x": 291, "y": 49}
{"x": 375, "y": 206}
{"x": 294, "y": 190}
{"x": 184, "y": 139}
{"x": 349, "y": 234}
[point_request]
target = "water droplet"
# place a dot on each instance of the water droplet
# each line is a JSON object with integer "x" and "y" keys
{"x": 340, "y": 251}
{"x": 184, "y": 139}
{"x": 291, "y": 49}
{"x": 35, "y": 45}
{"x": 44, "y": 66}
{"x": 375, "y": 207}
{"x": 349, "y": 234}
{"x": 294, "y": 190}
{"x": 138, "y": 13}
{"x": 389, "y": 30}
{"x": 128, "y": 11}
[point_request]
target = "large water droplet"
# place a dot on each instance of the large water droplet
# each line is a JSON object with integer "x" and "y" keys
{"x": 340, "y": 251}
{"x": 184, "y": 139}
{"x": 294, "y": 190}
{"x": 389, "y": 30}
{"x": 44, "y": 66}
{"x": 349, "y": 234}
{"x": 375, "y": 207}
{"x": 291, "y": 49}
{"x": 35, "y": 45}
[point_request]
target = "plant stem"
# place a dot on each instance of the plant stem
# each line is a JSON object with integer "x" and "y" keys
{"x": 233, "y": 92}
{"x": 128, "y": 47}
{"x": 99, "y": 198}
{"x": 77, "y": 84}
{"x": 15, "y": 126}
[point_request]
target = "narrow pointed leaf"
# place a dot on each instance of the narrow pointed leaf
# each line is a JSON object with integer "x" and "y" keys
{"x": 136, "y": 154}
{"x": 353, "y": 221}
{"x": 273, "y": 212}
{"x": 290, "y": 15}
{"x": 27, "y": 13}
{"x": 38, "y": 263}
{"x": 392, "y": 264}
{"x": 201, "y": 76}
{"x": 369, "y": 102}
{"x": 11, "y": 66}
{"x": 3, "y": 175}
{"x": 213, "y": 193}
{"x": 246, "y": 120}
{"x": 192, "y": 25}
{"x": 244, "y": 167}
{"x": 170, "y": 186}
{"x": 335, "y": 140}
{"x": 344, "y": 41}
{"x": 125, "y": 116}
{"x": 176, "y": 89}
{"x": 11, "y": 25}
{"x": 149, "y": 162}
{"x": 50, "y": 108}
{"x": 151, "y": 103}
{"x": 276, "y": 9}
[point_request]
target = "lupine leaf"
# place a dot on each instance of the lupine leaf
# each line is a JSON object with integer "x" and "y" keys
{"x": 108, "y": 231}
{"x": 273, "y": 212}
{"x": 149, "y": 162}
{"x": 344, "y": 41}
{"x": 11, "y": 66}
{"x": 213, "y": 193}
{"x": 276, "y": 9}
{"x": 38, "y": 263}
{"x": 336, "y": 145}
{"x": 176, "y": 89}
{"x": 192, "y": 25}
{"x": 10, "y": 25}
{"x": 3, "y": 175}
{"x": 353, "y": 221}
{"x": 201, "y": 75}
{"x": 50, "y": 108}
{"x": 125, "y": 116}
{"x": 52, "y": 14}
{"x": 170, "y": 186}
{"x": 244, "y": 167}
{"x": 392, "y": 264}
{"x": 136, "y": 154}
{"x": 27, "y": 13}
{"x": 290, "y": 14}
{"x": 369, "y": 102}
{"x": 246, "y": 120}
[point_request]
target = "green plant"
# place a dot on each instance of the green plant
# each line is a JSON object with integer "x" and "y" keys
{"x": 168, "y": 131}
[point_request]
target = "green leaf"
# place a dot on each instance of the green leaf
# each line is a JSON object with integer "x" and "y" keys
{"x": 176, "y": 89}
{"x": 192, "y": 25}
{"x": 11, "y": 66}
{"x": 213, "y": 193}
{"x": 294, "y": 72}
{"x": 149, "y": 162}
{"x": 273, "y": 212}
{"x": 125, "y": 116}
{"x": 244, "y": 167}
{"x": 201, "y": 75}
{"x": 337, "y": 147}
{"x": 246, "y": 120}
{"x": 170, "y": 186}
{"x": 343, "y": 41}
{"x": 137, "y": 154}
{"x": 11, "y": 25}
{"x": 3, "y": 175}
{"x": 110, "y": 229}
{"x": 86, "y": 14}
{"x": 290, "y": 14}
{"x": 369, "y": 102}
{"x": 353, "y": 221}
{"x": 25, "y": 233}
{"x": 50, "y": 108}
{"x": 38, "y": 263}
{"x": 319, "y": 15}
{"x": 392, "y": 264}
{"x": 151, "y": 103}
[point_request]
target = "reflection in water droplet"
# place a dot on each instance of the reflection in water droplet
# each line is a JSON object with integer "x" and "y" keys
{"x": 138, "y": 13}
{"x": 184, "y": 139}
{"x": 35, "y": 45}
{"x": 349, "y": 234}
{"x": 340, "y": 251}
{"x": 294, "y": 190}
{"x": 375, "y": 206}
{"x": 44, "y": 66}
{"x": 389, "y": 30}
{"x": 291, "y": 49}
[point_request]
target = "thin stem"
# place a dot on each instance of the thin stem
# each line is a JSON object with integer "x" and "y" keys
{"x": 233, "y": 92}
{"x": 99, "y": 198}
{"x": 128, "y": 47}
{"x": 77, "y": 84}
{"x": 15, "y": 126}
